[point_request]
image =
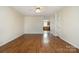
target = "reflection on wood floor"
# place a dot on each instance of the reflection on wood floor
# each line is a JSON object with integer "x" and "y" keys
{"x": 33, "y": 43}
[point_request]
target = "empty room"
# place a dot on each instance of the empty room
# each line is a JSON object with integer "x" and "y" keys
{"x": 39, "y": 29}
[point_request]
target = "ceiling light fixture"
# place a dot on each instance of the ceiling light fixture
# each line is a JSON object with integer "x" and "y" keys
{"x": 38, "y": 10}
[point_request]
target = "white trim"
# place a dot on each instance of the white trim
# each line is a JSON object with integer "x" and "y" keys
{"x": 33, "y": 33}
{"x": 7, "y": 41}
{"x": 69, "y": 42}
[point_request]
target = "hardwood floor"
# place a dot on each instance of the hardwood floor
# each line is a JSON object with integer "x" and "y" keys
{"x": 34, "y": 44}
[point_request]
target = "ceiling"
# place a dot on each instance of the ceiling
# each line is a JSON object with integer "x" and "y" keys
{"x": 30, "y": 10}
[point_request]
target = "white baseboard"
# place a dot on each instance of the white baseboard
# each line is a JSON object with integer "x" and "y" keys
{"x": 69, "y": 42}
{"x": 5, "y": 42}
{"x": 33, "y": 33}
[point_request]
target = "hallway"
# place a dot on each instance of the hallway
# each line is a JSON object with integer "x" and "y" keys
{"x": 28, "y": 22}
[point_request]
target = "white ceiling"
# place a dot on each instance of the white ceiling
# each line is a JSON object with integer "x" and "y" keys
{"x": 30, "y": 10}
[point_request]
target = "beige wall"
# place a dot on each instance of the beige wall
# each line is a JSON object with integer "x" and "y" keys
{"x": 33, "y": 25}
{"x": 11, "y": 24}
{"x": 53, "y": 25}
{"x": 67, "y": 25}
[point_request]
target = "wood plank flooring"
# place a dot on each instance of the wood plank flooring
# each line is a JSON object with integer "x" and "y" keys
{"x": 29, "y": 43}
